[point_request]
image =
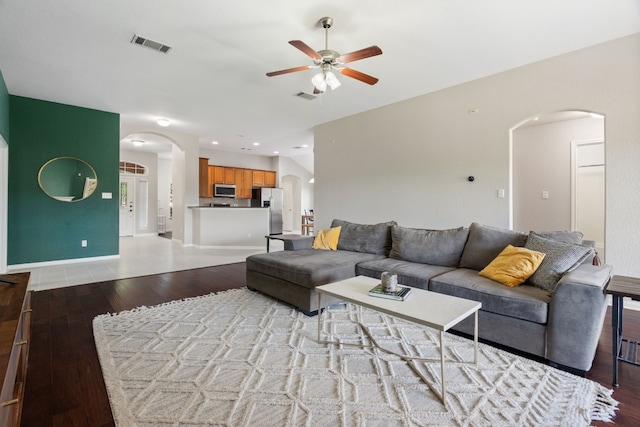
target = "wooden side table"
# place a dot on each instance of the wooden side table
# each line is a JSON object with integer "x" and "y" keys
{"x": 307, "y": 225}
{"x": 620, "y": 287}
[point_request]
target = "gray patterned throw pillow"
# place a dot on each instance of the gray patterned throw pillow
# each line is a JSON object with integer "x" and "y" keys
{"x": 560, "y": 257}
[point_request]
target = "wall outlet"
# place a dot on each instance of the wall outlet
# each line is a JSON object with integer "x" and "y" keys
{"x": 545, "y": 195}
{"x": 84, "y": 243}
{"x": 501, "y": 193}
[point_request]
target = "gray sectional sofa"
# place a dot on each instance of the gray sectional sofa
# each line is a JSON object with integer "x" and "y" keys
{"x": 556, "y": 315}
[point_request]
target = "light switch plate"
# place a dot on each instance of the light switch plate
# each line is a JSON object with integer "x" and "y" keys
{"x": 107, "y": 195}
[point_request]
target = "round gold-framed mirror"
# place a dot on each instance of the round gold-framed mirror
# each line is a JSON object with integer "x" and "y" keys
{"x": 67, "y": 179}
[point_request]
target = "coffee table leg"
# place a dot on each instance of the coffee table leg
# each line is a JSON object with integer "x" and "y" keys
{"x": 444, "y": 396}
{"x": 475, "y": 341}
{"x": 319, "y": 315}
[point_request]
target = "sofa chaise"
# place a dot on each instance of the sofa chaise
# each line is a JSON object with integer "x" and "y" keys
{"x": 557, "y": 314}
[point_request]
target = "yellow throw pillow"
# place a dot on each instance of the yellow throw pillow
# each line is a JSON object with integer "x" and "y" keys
{"x": 513, "y": 266}
{"x": 327, "y": 239}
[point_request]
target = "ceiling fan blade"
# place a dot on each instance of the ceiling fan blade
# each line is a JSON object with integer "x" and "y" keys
{"x": 365, "y": 78}
{"x": 289, "y": 70}
{"x": 359, "y": 54}
{"x": 299, "y": 44}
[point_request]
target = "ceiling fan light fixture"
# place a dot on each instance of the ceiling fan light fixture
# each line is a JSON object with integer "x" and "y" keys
{"x": 320, "y": 82}
{"x": 332, "y": 80}
{"x": 324, "y": 79}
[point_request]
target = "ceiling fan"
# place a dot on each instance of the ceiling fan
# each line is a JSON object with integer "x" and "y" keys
{"x": 328, "y": 60}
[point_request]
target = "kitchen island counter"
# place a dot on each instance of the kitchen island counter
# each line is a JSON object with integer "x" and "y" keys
{"x": 230, "y": 226}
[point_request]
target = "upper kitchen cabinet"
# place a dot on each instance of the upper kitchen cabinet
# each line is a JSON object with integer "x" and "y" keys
{"x": 218, "y": 174}
{"x": 223, "y": 175}
{"x": 243, "y": 183}
{"x": 258, "y": 178}
{"x": 204, "y": 187}
{"x": 264, "y": 179}
{"x": 229, "y": 176}
{"x": 270, "y": 179}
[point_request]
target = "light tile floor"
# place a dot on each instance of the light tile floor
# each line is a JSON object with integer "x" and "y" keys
{"x": 139, "y": 256}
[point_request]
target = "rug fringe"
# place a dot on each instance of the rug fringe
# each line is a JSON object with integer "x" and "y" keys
{"x": 605, "y": 406}
{"x": 168, "y": 303}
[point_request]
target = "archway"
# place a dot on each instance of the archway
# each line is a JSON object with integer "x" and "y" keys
{"x": 150, "y": 183}
{"x": 557, "y": 174}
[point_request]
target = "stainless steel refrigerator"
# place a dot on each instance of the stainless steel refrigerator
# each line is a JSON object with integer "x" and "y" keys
{"x": 272, "y": 198}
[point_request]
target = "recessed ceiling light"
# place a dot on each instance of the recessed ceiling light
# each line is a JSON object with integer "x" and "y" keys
{"x": 305, "y": 145}
{"x": 163, "y": 122}
{"x": 256, "y": 143}
{"x": 137, "y": 142}
{"x": 214, "y": 142}
{"x": 276, "y": 152}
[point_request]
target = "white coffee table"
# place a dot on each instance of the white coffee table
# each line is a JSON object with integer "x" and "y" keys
{"x": 437, "y": 311}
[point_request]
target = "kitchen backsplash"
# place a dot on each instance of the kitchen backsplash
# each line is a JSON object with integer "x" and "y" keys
{"x": 238, "y": 203}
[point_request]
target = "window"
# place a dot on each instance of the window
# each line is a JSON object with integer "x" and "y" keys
{"x": 133, "y": 168}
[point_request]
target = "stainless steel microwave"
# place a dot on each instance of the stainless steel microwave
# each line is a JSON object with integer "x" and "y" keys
{"x": 224, "y": 190}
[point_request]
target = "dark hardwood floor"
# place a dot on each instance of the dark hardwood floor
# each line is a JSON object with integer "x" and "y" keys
{"x": 64, "y": 380}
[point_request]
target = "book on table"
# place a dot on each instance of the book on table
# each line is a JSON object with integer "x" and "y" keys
{"x": 401, "y": 293}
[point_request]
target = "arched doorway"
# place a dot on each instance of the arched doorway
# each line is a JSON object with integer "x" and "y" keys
{"x": 146, "y": 170}
{"x": 557, "y": 178}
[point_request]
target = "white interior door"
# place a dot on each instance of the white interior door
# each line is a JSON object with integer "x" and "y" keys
{"x": 127, "y": 197}
{"x": 287, "y": 206}
{"x": 588, "y": 213}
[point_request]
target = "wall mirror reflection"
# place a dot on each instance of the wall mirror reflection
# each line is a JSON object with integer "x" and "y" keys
{"x": 67, "y": 179}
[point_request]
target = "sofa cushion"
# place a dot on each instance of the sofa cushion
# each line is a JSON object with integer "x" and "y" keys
{"x": 308, "y": 267}
{"x": 485, "y": 243}
{"x": 436, "y": 247}
{"x": 563, "y": 236}
{"x": 513, "y": 266}
{"x": 560, "y": 257}
{"x": 327, "y": 239}
{"x": 366, "y": 238}
{"x": 523, "y": 302}
{"x": 409, "y": 273}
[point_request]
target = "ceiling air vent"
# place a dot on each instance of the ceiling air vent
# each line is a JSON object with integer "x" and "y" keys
{"x": 150, "y": 44}
{"x": 306, "y": 96}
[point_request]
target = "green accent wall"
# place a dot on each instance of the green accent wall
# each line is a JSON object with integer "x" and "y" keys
{"x": 44, "y": 229}
{"x": 4, "y": 109}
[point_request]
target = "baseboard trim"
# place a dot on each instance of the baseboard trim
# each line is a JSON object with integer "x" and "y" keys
{"x": 20, "y": 267}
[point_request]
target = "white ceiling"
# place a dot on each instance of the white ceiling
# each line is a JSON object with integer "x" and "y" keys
{"x": 212, "y": 83}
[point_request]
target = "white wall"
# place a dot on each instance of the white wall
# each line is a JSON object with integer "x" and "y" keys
{"x": 542, "y": 162}
{"x": 288, "y": 166}
{"x": 409, "y": 161}
{"x": 239, "y": 160}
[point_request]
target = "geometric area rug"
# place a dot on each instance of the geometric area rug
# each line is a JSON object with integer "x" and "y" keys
{"x": 240, "y": 358}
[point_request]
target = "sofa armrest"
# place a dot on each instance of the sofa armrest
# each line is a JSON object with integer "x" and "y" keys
{"x": 297, "y": 244}
{"x": 576, "y": 315}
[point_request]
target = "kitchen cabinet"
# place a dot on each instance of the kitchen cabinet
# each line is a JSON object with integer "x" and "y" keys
{"x": 218, "y": 174}
{"x": 270, "y": 179}
{"x": 229, "y": 175}
{"x": 203, "y": 177}
{"x": 211, "y": 181}
{"x": 258, "y": 178}
{"x": 243, "y": 179}
{"x": 243, "y": 183}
